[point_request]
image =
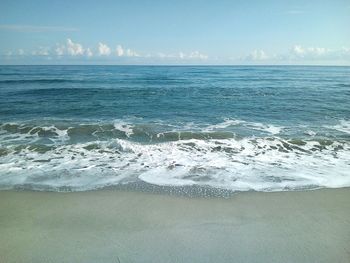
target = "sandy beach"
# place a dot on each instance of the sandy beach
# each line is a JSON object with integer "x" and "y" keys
{"x": 124, "y": 226}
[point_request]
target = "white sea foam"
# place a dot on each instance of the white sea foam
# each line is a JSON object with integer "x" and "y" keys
{"x": 311, "y": 133}
{"x": 225, "y": 124}
{"x": 124, "y": 127}
{"x": 261, "y": 164}
{"x": 272, "y": 129}
{"x": 343, "y": 126}
{"x": 32, "y": 136}
{"x": 265, "y": 127}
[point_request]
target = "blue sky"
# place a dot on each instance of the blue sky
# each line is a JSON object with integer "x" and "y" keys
{"x": 175, "y": 32}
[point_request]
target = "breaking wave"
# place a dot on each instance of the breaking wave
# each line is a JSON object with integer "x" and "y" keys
{"x": 84, "y": 156}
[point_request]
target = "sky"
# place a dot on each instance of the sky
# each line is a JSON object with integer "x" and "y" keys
{"x": 188, "y": 32}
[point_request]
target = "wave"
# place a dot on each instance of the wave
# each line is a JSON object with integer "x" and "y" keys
{"x": 273, "y": 129}
{"x": 343, "y": 126}
{"x": 62, "y": 155}
{"x": 90, "y": 132}
{"x": 146, "y": 132}
{"x": 43, "y": 81}
{"x": 260, "y": 164}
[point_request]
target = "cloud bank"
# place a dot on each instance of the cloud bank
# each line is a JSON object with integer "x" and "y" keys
{"x": 74, "y": 51}
{"x": 299, "y": 54}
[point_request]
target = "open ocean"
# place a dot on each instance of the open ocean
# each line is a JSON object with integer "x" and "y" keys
{"x": 239, "y": 128}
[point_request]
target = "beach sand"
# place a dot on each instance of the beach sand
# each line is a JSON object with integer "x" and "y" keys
{"x": 126, "y": 226}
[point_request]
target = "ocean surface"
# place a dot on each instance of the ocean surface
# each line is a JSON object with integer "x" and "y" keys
{"x": 239, "y": 128}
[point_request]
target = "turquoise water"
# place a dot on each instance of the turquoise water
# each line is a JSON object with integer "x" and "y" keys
{"x": 263, "y": 128}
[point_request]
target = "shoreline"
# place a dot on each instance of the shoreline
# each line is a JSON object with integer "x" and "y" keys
{"x": 131, "y": 226}
{"x": 188, "y": 191}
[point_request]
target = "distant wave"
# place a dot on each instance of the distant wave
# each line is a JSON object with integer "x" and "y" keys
{"x": 27, "y": 81}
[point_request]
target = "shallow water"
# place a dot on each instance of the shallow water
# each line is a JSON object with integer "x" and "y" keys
{"x": 264, "y": 128}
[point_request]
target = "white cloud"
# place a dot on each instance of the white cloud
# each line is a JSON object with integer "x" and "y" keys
{"x": 119, "y": 51}
{"x": 316, "y": 53}
{"x": 60, "y": 50}
{"x": 163, "y": 55}
{"x": 197, "y": 55}
{"x": 298, "y": 50}
{"x": 194, "y": 55}
{"x": 103, "y": 49}
{"x": 131, "y": 53}
{"x": 297, "y": 54}
{"x": 89, "y": 52}
{"x": 257, "y": 54}
{"x": 345, "y": 50}
{"x": 311, "y": 51}
{"x": 74, "y": 49}
{"x": 42, "y": 51}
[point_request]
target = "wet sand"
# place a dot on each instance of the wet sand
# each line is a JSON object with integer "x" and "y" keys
{"x": 124, "y": 226}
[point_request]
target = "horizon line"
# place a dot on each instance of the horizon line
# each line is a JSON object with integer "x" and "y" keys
{"x": 187, "y": 65}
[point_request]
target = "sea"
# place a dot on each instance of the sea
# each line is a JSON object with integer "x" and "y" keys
{"x": 233, "y": 128}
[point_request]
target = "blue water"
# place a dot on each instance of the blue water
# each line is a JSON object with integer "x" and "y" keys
{"x": 264, "y": 128}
